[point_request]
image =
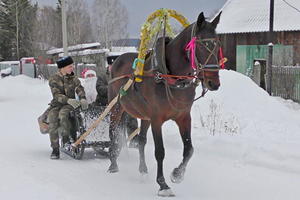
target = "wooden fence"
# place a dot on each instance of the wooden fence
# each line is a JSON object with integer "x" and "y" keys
{"x": 286, "y": 82}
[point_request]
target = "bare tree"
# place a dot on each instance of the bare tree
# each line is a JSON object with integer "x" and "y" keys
{"x": 48, "y": 27}
{"x": 110, "y": 19}
{"x": 78, "y": 22}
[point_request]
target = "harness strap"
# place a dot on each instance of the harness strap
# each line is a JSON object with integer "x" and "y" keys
{"x": 120, "y": 77}
{"x": 164, "y": 69}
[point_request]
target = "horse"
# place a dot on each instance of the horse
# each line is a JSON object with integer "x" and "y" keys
{"x": 165, "y": 96}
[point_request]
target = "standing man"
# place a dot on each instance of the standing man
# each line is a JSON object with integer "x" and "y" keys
{"x": 64, "y": 84}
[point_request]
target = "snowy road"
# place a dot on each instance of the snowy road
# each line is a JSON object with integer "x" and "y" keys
{"x": 255, "y": 156}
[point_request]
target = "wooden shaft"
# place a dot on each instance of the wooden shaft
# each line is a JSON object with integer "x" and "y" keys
{"x": 134, "y": 133}
{"x": 101, "y": 117}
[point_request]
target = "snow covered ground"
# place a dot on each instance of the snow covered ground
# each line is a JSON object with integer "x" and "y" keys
{"x": 247, "y": 146}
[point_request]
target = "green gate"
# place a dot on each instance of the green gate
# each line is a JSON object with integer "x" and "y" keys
{"x": 252, "y": 61}
{"x": 247, "y": 54}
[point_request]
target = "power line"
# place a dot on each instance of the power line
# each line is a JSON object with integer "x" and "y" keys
{"x": 291, "y": 5}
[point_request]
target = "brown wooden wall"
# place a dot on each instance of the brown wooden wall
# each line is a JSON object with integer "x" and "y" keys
{"x": 230, "y": 41}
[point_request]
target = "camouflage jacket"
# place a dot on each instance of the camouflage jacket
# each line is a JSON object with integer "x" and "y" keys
{"x": 64, "y": 88}
{"x": 101, "y": 87}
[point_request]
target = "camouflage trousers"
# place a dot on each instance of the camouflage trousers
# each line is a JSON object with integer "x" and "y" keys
{"x": 59, "y": 123}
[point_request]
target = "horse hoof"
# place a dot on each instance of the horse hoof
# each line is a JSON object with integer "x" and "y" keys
{"x": 166, "y": 193}
{"x": 113, "y": 168}
{"x": 143, "y": 169}
{"x": 177, "y": 175}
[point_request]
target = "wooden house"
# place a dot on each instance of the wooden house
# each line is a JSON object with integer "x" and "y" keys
{"x": 246, "y": 22}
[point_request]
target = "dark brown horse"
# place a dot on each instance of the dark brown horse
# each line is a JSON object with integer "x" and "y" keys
{"x": 162, "y": 97}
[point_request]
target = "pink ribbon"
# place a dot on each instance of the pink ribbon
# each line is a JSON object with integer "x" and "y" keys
{"x": 191, "y": 47}
{"x": 222, "y": 58}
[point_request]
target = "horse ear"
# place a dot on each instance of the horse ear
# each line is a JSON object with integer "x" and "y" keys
{"x": 216, "y": 20}
{"x": 200, "y": 19}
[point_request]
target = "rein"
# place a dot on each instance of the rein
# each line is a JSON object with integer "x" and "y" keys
{"x": 170, "y": 80}
{"x": 158, "y": 76}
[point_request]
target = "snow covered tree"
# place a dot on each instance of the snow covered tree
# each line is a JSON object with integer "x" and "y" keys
{"x": 7, "y": 30}
{"x": 109, "y": 21}
{"x": 26, "y": 24}
{"x": 17, "y": 18}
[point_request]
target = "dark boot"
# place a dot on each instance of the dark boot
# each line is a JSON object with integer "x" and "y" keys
{"x": 55, "y": 153}
{"x": 65, "y": 140}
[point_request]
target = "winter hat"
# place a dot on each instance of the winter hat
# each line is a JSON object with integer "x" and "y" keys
{"x": 64, "y": 61}
{"x": 83, "y": 71}
{"x": 111, "y": 59}
{"x": 89, "y": 72}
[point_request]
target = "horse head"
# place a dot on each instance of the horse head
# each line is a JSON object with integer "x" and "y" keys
{"x": 207, "y": 52}
{"x": 198, "y": 53}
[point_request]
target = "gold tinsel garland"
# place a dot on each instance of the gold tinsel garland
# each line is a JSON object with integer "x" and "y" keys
{"x": 148, "y": 32}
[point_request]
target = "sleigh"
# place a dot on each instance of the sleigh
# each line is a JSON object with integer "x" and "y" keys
{"x": 98, "y": 139}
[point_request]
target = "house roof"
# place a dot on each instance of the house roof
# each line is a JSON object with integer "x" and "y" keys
{"x": 74, "y": 48}
{"x": 244, "y": 16}
{"x": 121, "y": 50}
{"x": 130, "y": 42}
{"x": 85, "y": 52}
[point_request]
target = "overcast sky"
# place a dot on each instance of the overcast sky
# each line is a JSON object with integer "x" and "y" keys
{"x": 139, "y": 10}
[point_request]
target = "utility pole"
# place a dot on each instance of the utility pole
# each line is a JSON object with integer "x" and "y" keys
{"x": 17, "y": 29}
{"x": 270, "y": 48}
{"x": 64, "y": 27}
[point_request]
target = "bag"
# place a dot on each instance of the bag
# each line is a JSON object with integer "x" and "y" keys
{"x": 43, "y": 123}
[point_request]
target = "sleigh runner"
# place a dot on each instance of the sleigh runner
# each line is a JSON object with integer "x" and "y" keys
{"x": 98, "y": 140}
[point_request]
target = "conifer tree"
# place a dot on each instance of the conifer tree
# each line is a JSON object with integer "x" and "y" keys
{"x": 17, "y": 18}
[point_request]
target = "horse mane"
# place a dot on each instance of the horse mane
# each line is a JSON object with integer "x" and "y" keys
{"x": 158, "y": 45}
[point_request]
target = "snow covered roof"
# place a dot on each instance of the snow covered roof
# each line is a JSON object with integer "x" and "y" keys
{"x": 116, "y": 51}
{"x": 85, "y": 52}
{"x": 73, "y": 48}
{"x": 10, "y": 62}
{"x": 242, "y": 16}
{"x": 129, "y": 42}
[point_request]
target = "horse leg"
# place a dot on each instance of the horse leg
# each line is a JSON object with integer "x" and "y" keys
{"x": 160, "y": 155}
{"x": 114, "y": 136}
{"x": 184, "y": 124}
{"x": 142, "y": 142}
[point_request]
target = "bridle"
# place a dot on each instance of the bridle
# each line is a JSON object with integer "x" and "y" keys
{"x": 194, "y": 45}
{"x": 199, "y": 69}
